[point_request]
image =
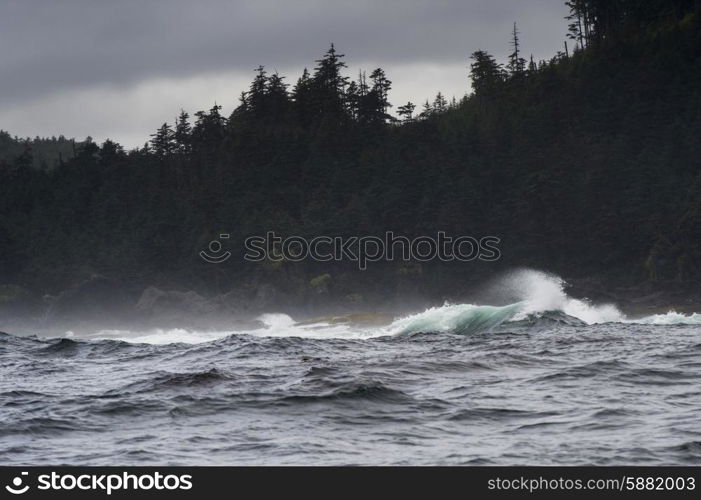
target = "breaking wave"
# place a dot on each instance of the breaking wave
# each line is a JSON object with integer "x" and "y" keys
{"x": 536, "y": 296}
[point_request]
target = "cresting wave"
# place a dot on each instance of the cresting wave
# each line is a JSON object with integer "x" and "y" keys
{"x": 539, "y": 296}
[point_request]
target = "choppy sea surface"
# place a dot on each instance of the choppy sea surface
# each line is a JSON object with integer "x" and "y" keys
{"x": 545, "y": 380}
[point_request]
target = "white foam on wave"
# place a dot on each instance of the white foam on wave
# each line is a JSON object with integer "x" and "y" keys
{"x": 669, "y": 318}
{"x": 162, "y": 336}
{"x": 541, "y": 292}
{"x": 282, "y": 325}
{"x": 272, "y": 325}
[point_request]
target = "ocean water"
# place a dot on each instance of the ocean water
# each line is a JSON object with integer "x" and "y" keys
{"x": 547, "y": 379}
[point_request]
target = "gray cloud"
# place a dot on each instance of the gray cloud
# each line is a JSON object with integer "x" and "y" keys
{"x": 54, "y": 49}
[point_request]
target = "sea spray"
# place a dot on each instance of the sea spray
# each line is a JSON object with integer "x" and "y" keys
{"x": 542, "y": 292}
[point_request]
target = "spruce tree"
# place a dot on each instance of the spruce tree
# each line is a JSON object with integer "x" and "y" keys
{"x": 485, "y": 73}
{"x": 329, "y": 85}
{"x": 163, "y": 141}
{"x": 517, "y": 64}
{"x": 381, "y": 86}
{"x": 183, "y": 133}
{"x": 406, "y": 111}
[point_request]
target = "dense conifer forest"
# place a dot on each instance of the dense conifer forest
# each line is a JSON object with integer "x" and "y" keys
{"x": 588, "y": 164}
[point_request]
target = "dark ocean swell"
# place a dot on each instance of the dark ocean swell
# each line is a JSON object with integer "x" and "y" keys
{"x": 544, "y": 380}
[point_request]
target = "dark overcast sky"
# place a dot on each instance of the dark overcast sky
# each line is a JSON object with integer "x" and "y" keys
{"x": 120, "y": 68}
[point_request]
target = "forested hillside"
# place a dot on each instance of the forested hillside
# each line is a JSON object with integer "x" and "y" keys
{"x": 586, "y": 164}
{"x": 45, "y": 153}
